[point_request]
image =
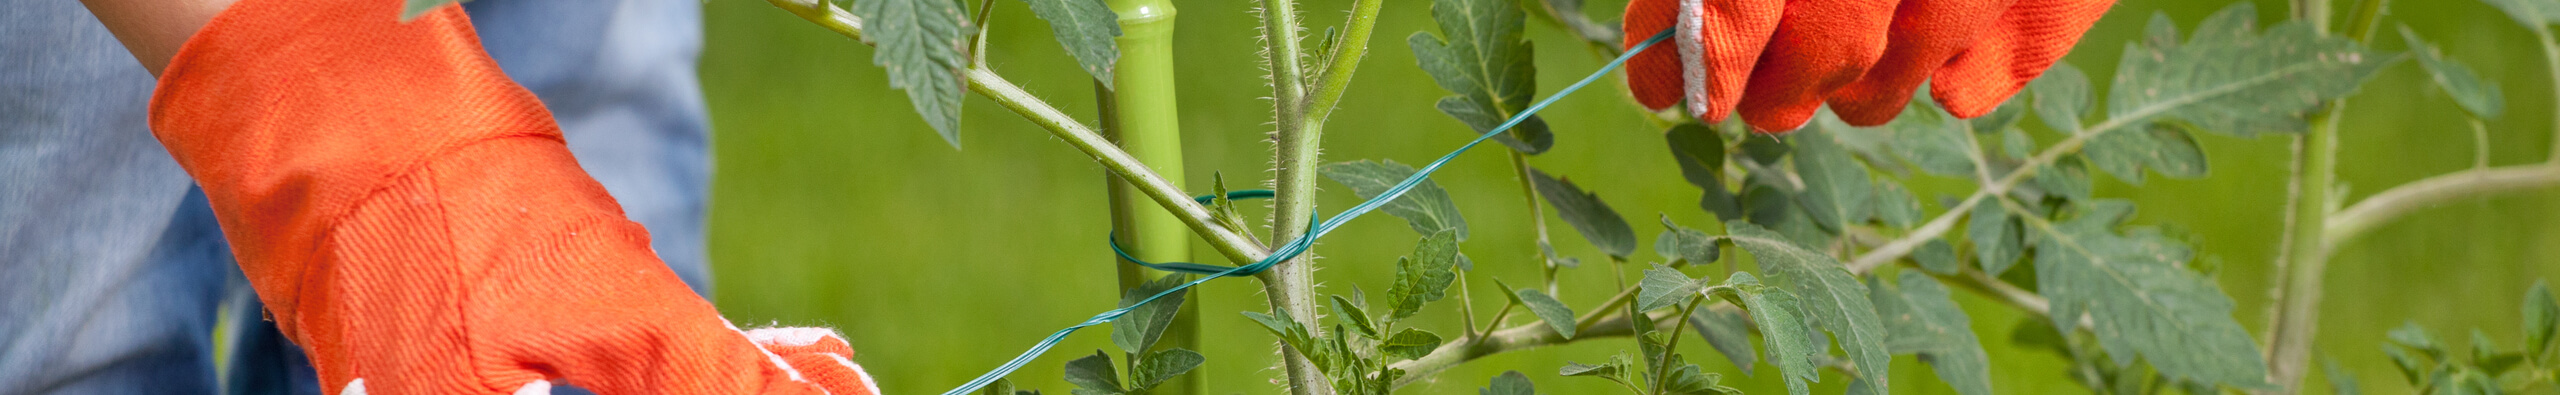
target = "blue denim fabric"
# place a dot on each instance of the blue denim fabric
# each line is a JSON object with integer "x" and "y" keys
{"x": 112, "y": 267}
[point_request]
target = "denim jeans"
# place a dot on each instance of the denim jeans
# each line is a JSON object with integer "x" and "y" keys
{"x": 112, "y": 268}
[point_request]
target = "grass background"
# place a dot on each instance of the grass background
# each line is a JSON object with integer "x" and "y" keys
{"x": 835, "y": 205}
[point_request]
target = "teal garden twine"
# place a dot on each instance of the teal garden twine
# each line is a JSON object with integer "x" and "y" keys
{"x": 1294, "y": 247}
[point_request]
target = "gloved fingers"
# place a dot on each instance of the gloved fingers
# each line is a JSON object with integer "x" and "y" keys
{"x": 1819, "y": 46}
{"x": 820, "y": 356}
{"x": 1653, "y": 76}
{"x": 1720, "y": 41}
{"x": 2025, "y": 41}
{"x": 1925, "y": 35}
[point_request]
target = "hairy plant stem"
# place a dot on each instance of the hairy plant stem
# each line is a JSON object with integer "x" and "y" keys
{"x": 1290, "y": 285}
{"x": 1230, "y": 243}
{"x": 1537, "y": 220}
{"x": 2306, "y": 254}
{"x": 1141, "y": 114}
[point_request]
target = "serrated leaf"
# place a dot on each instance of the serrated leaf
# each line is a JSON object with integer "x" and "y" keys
{"x": 2483, "y": 100}
{"x": 1688, "y": 379}
{"x": 1701, "y": 155}
{"x": 1836, "y": 189}
{"x": 1729, "y": 333}
{"x": 411, "y": 9}
{"x": 1577, "y": 369}
{"x": 1895, "y": 205}
{"x": 1833, "y": 299}
{"x": 2533, "y": 14}
{"x": 2229, "y": 80}
{"x": 1665, "y": 287}
{"x": 2164, "y": 148}
{"x": 2341, "y": 382}
{"x": 1548, "y": 309}
{"x": 1923, "y": 320}
{"x": 1995, "y": 237}
{"x": 1087, "y": 29}
{"x": 2410, "y": 367}
{"x": 2541, "y": 319}
{"x": 919, "y": 43}
{"x": 1163, "y": 365}
{"x": 1345, "y": 311}
{"x": 1681, "y": 244}
{"x": 1220, "y": 207}
{"x": 1487, "y": 64}
{"x": 1424, "y": 277}
{"x": 1509, "y": 383}
{"x": 1426, "y": 207}
{"x": 1138, "y": 330}
{"x": 1782, "y": 331}
{"x": 1288, "y": 330}
{"x": 1588, "y": 215}
{"x": 1409, "y": 344}
{"x": 1936, "y": 256}
{"x": 2062, "y": 96}
{"x": 2143, "y": 301}
{"x": 1094, "y": 372}
{"x": 2005, "y": 116}
{"x": 2065, "y": 177}
{"x": 1932, "y": 140}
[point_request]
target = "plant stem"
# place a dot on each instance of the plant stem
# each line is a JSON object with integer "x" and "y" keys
{"x": 2365, "y": 215}
{"x": 1336, "y": 76}
{"x": 2307, "y": 249}
{"x": 1141, "y": 114}
{"x": 1672, "y": 346}
{"x": 1537, "y": 219}
{"x": 1290, "y": 285}
{"x": 1232, "y": 244}
{"x": 1521, "y": 337}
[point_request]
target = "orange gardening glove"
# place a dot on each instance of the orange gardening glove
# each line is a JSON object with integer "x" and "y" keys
{"x": 414, "y": 221}
{"x": 1780, "y": 60}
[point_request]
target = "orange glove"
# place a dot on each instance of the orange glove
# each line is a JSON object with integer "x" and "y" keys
{"x": 414, "y": 221}
{"x": 1780, "y": 60}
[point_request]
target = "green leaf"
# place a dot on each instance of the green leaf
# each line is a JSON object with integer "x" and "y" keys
{"x": 1836, "y": 189}
{"x": 1701, "y": 155}
{"x": 2485, "y": 355}
{"x": 1487, "y": 64}
{"x": 2533, "y": 14}
{"x": 1994, "y": 236}
{"x": 1424, "y": 277}
{"x": 1163, "y": 365}
{"x": 2163, "y": 147}
{"x": 2541, "y": 319}
{"x": 1679, "y": 244}
{"x": 1087, "y": 29}
{"x": 1688, "y": 379}
{"x": 1729, "y": 333}
{"x": 2016, "y": 144}
{"x": 1664, "y": 286}
{"x": 1000, "y": 387}
{"x": 2415, "y": 337}
{"x": 1923, "y": 320}
{"x": 2483, "y": 100}
{"x": 1287, "y": 329}
{"x": 1833, "y": 299}
{"x": 920, "y": 43}
{"x": 411, "y": 9}
{"x": 1426, "y": 207}
{"x": 1409, "y": 344}
{"x": 1509, "y": 383}
{"x": 1094, "y": 372}
{"x": 1773, "y": 310}
{"x": 1936, "y": 256}
{"x": 1575, "y": 369}
{"x": 2144, "y": 302}
{"x": 1548, "y": 309}
{"x": 2066, "y": 178}
{"x": 1138, "y": 330}
{"x": 1588, "y": 215}
{"x": 2470, "y": 382}
{"x": 1347, "y": 312}
{"x": 2062, "y": 96}
{"x": 1895, "y": 205}
{"x": 2410, "y": 367}
{"x": 1220, "y": 207}
{"x": 2341, "y": 382}
{"x": 2229, "y": 80}
{"x": 1930, "y": 139}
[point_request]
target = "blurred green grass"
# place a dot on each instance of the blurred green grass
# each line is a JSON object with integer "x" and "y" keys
{"x": 834, "y": 205}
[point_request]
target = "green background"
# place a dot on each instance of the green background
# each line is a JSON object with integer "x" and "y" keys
{"x": 835, "y": 205}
